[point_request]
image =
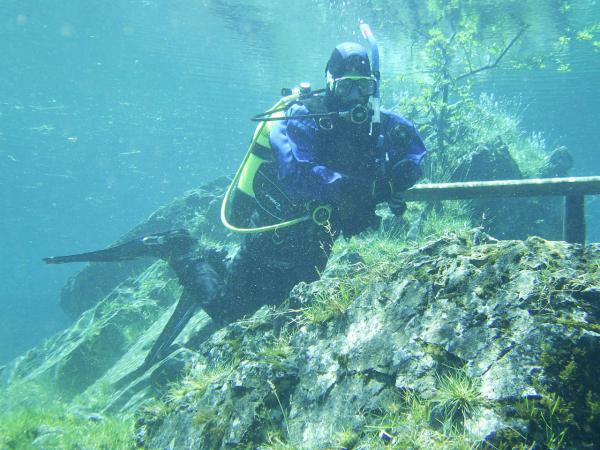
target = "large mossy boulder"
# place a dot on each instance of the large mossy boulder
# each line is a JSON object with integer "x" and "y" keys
{"x": 513, "y": 218}
{"x": 455, "y": 342}
{"x": 460, "y": 341}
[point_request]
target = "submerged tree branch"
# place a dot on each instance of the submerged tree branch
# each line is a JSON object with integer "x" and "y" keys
{"x": 496, "y": 62}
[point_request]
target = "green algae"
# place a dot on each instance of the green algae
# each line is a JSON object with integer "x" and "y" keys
{"x": 572, "y": 388}
{"x": 593, "y": 327}
{"x": 332, "y": 301}
{"x": 35, "y": 416}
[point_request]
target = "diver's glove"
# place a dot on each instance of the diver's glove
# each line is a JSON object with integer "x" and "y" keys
{"x": 404, "y": 174}
{"x": 354, "y": 210}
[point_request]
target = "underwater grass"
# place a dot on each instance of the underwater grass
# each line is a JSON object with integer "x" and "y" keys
{"x": 34, "y": 416}
{"x": 451, "y": 217}
{"x": 458, "y": 397}
{"x": 499, "y": 120}
{"x": 331, "y": 302}
{"x": 278, "y": 349}
{"x": 379, "y": 253}
{"x": 195, "y": 383}
{"x": 408, "y": 423}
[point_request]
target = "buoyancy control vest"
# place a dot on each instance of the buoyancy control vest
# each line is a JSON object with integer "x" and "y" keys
{"x": 256, "y": 184}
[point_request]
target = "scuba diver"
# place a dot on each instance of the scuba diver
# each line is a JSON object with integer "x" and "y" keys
{"x": 319, "y": 163}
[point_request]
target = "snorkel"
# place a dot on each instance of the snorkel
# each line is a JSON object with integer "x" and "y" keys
{"x": 376, "y": 99}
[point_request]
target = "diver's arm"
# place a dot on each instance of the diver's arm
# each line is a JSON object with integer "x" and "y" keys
{"x": 405, "y": 150}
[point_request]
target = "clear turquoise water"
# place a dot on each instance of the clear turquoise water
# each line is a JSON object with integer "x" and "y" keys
{"x": 110, "y": 109}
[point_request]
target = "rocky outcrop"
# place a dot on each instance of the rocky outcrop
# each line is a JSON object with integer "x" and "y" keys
{"x": 455, "y": 342}
{"x": 74, "y": 359}
{"x": 463, "y": 339}
{"x": 495, "y": 339}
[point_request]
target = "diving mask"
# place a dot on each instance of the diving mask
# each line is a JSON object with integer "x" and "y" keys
{"x": 342, "y": 87}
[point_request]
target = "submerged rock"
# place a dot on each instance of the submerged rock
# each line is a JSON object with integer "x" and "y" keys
{"x": 534, "y": 215}
{"x": 458, "y": 341}
{"x": 494, "y": 338}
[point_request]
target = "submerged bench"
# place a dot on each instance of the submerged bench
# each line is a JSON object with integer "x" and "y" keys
{"x": 574, "y": 189}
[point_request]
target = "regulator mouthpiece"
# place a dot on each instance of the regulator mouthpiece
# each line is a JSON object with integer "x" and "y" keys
{"x": 358, "y": 115}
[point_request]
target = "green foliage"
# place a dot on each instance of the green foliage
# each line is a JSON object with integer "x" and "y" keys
{"x": 195, "y": 383}
{"x": 593, "y": 327}
{"x": 278, "y": 349}
{"x": 408, "y": 423}
{"x": 547, "y": 420}
{"x": 458, "y": 396}
{"x": 35, "y": 413}
{"x": 283, "y": 410}
{"x": 570, "y": 407}
{"x": 452, "y": 52}
{"x": 153, "y": 411}
{"x": 332, "y": 300}
{"x": 203, "y": 416}
{"x": 346, "y": 438}
{"x": 378, "y": 250}
{"x": 456, "y": 43}
{"x": 275, "y": 441}
{"x": 489, "y": 121}
{"x": 451, "y": 217}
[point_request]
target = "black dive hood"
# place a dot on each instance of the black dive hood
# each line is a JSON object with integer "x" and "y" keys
{"x": 346, "y": 57}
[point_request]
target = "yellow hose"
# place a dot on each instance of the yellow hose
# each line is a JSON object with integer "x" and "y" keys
{"x": 236, "y": 178}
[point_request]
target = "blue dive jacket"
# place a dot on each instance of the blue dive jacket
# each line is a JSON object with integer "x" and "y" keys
{"x": 331, "y": 165}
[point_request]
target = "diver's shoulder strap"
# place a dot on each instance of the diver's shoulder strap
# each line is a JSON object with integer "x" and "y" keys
{"x": 263, "y": 129}
{"x": 261, "y": 135}
{"x": 256, "y": 155}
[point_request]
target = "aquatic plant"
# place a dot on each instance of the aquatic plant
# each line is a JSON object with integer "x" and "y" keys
{"x": 452, "y": 217}
{"x": 546, "y": 421}
{"x": 34, "y": 416}
{"x": 346, "y": 438}
{"x": 283, "y": 410}
{"x": 277, "y": 349}
{"x": 457, "y": 397}
{"x": 570, "y": 405}
{"x": 331, "y": 301}
{"x": 195, "y": 383}
{"x": 153, "y": 410}
{"x": 275, "y": 441}
{"x": 204, "y": 415}
{"x": 406, "y": 422}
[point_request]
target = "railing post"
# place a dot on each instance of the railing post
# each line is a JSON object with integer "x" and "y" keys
{"x": 574, "y": 219}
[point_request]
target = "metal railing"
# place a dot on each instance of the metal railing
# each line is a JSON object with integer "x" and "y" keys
{"x": 574, "y": 189}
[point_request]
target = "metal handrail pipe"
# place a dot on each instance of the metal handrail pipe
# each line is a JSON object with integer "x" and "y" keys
{"x": 532, "y": 187}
